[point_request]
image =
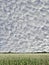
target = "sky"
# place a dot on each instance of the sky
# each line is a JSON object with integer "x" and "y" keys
{"x": 24, "y": 25}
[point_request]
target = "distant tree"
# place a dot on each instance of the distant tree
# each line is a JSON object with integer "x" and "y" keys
{"x": 9, "y": 52}
{"x": 44, "y": 52}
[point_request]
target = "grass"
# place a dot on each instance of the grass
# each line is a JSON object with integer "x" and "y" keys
{"x": 24, "y": 59}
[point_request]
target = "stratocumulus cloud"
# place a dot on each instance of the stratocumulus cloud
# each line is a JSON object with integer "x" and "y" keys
{"x": 24, "y": 25}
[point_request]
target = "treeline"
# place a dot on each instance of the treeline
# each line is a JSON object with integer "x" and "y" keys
{"x": 22, "y": 52}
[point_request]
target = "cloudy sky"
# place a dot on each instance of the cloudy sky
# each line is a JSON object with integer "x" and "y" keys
{"x": 24, "y": 25}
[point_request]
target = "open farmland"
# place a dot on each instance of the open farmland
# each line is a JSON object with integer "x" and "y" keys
{"x": 24, "y": 59}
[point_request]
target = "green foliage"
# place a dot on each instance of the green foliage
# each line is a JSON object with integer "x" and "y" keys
{"x": 24, "y": 59}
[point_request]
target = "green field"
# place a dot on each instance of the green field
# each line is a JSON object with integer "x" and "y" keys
{"x": 24, "y": 59}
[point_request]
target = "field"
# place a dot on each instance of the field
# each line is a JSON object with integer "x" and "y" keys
{"x": 24, "y": 59}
